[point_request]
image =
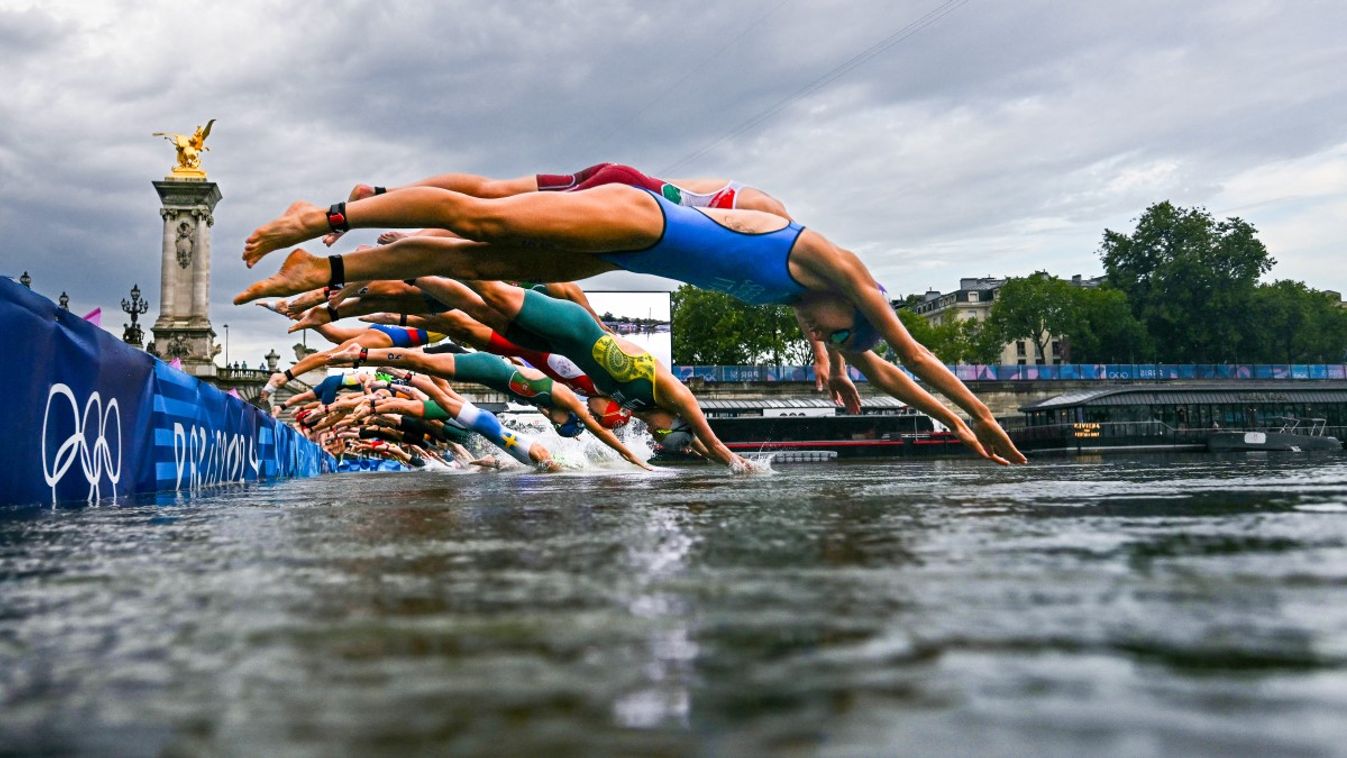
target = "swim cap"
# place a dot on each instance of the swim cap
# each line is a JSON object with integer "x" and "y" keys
{"x": 572, "y": 427}
{"x": 614, "y": 416}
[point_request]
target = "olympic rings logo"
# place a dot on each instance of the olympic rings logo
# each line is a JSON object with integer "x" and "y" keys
{"x": 96, "y": 459}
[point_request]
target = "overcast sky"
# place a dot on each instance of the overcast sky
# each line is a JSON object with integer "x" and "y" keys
{"x": 1000, "y": 138}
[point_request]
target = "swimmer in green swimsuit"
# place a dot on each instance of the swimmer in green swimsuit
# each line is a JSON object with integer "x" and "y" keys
{"x": 618, "y": 368}
{"x": 562, "y": 407}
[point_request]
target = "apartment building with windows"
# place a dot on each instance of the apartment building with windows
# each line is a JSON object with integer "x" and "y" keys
{"x": 974, "y": 299}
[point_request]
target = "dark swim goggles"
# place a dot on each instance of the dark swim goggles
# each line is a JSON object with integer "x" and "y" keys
{"x": 840, "y": 337}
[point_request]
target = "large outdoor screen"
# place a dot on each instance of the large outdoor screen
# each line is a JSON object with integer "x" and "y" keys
{"x": 642, "y": 317}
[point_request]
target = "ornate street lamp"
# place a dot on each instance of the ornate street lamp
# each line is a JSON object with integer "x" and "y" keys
{"x": 133, "y": 334}
{"x": 26, "y": 280}
{"x": 226, "y": 328}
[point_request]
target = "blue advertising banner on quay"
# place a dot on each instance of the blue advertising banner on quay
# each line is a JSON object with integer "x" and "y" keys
{"x": 89, "y": 417}
{"x": 1076, "y": 372}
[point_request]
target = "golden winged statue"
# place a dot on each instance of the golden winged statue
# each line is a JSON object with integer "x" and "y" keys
{"x": 189, "y": 149}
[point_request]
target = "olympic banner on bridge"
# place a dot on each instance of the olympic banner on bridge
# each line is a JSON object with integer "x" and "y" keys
{"x": 88, "y": 417}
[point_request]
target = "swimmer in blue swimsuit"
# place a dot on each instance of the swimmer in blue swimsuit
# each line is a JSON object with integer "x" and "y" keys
{"x": 830, "y": 367}
{"x": 564, "y": 236}
{"x": 829, "y": 364}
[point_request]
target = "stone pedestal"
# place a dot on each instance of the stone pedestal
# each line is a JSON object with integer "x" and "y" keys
{"x": 183, "y": 329}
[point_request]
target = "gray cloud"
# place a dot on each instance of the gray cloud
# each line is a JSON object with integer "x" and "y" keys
{"x": 1002, "y": 139}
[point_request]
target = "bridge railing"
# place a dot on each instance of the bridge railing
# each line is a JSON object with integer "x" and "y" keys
{"x": 1103, "y": 372}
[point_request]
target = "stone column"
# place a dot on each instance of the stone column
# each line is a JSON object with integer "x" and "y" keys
{"x": 183, "y": 327}
{"x": 166, "y": 289}
{"x": 203, "y": 221}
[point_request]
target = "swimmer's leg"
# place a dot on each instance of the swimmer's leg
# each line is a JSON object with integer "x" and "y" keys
{"x": 604, "y": 219}
{"x": 519, "y": 446}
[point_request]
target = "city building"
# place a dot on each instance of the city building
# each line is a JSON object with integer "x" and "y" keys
{"x": 973, "y": 301}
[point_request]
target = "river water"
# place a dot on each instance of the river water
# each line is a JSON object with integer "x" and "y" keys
{"x": 1185, "y": 605}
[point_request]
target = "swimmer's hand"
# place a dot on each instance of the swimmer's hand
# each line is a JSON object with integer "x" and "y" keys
{"x": 995, "y": 443}
{"x": 844, "y": 393}
{"x": 747, "y": 466}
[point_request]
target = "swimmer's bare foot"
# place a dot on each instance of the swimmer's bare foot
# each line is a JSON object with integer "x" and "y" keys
{"x": 275, "y": 306}
{"x": 388, "y": 238}
{"x": 311, "y": 318}
{"x": 301, "y": 221}
{"x": 274, "y": 382}
{"x": 348, "y": 354}
{"x": 358, "y": 192}
{"x": 301, "y": 272}
{"x": 298, "y": 305}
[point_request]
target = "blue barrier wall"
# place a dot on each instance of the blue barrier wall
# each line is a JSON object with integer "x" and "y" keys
{"x": 89, "y": 417}
{"x": 1103, "y": 372}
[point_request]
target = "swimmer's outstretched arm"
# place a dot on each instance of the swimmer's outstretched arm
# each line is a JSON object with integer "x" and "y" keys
{"x": 568, "y": 400}
{"x": 417, "y": 321}
{"x": 677, "y": 398}
{"x": 924, "y": 364}
{"x": 849, "y": 276}
{"x": 886, "y": 377}
{"x": 399, "y": 406}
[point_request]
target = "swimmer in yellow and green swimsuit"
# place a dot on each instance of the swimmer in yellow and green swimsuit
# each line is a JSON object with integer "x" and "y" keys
{"x": 618, "y": 368}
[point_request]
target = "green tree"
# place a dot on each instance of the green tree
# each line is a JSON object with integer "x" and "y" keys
{"x": 713, "y": 328}
{"x": 1104, "y": 329}
{"x": 1295, "y": 324}
{"x": 982, "y": 344}
{"x": 953, "y": 341}
{"x": 1035, "y": 308}
{"x": 1189, "y": 279}
{"x": 708, "y": 328}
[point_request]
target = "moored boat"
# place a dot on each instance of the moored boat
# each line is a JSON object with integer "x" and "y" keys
{"x": 1294, "y": 436}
